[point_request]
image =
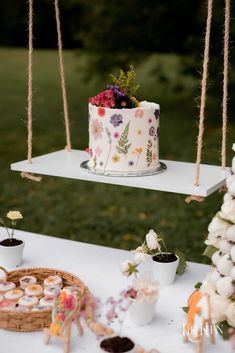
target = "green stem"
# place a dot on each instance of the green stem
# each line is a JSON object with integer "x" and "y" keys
{"x": 8, "y": 233}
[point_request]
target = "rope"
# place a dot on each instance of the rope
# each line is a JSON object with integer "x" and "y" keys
{"x": 30, "y": 82}
{"x": 63, "y": 87}
{"x": 225, "y": 82}
{"x": 30, "y": 176}
{"x": 203, "y": 92}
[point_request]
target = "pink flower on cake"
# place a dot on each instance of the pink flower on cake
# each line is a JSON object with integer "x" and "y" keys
{"x": 69, "y": 302}
{"x": 150, "y": 121}
{"x": 101, "y": 112}
{"x": 139, "y": 113}
{"x": 98, "y": 151}
{"x": 96, "y": 129}
{"x": 154, "y": 156}
{"x": 116, "y": 135}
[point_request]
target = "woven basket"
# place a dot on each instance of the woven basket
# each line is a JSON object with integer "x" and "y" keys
{"x": 34, "y": 321}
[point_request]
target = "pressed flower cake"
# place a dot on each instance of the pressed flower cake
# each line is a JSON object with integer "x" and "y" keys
{"x": 123, "y": 133}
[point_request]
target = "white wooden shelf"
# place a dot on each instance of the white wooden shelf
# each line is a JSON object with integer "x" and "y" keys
{"x": 178, "y": 177}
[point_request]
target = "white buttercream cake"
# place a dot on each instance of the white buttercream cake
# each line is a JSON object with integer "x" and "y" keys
{"x": 124, "y": 141}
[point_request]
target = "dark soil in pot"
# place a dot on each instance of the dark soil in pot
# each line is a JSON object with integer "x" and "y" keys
{"x": 117, "y": 344}
{"x": 165, "y": 258}
{"x": 12, "y": 242}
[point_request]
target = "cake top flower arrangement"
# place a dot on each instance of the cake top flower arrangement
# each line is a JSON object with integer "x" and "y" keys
{"x": 120, "y": 93}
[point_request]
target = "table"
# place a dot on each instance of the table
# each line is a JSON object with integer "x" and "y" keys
{"x": 98, "y": 267}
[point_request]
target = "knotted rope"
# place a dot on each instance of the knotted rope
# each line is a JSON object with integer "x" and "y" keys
{"x": 30, "y": 86}
{"x": 63, "y": 87}
{"x": 225, "y": 82}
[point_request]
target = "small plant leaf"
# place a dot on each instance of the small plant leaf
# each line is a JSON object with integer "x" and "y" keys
{"x": 123, "y": 143}
{"x": 198, "y": 285}
{"x": 182, "y": 262}
{"x": 209, "y": 250}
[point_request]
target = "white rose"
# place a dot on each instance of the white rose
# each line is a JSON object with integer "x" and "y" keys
{"x": 14, "y": 215}
{"x": 231, "y": 187}
{"x": 216, "y": 257}
{"x": 218, "y": 226}
{"x": 227, "y": 197}
{"x": 232, "y": 253}
{"x": 152, "y": 240}
{"x": 207, "y": 285}
{"x": 233, "y": 147}
{"x": 232, "y": 273}
{"x": 225, "y": 265}
{"x": 224, "y": 287}
{"x": 233, "y": 165}
{"x": 219, "y": 305}
{"x": 214, "y": 277}
{"x": 213, "y": 239}
{"x": 230, "y": 178}
{"x": 230, "y": 233}
{"x": 228, "y": 210}
{"x": 230, "y": 314}
{"x": 224, "y": 246}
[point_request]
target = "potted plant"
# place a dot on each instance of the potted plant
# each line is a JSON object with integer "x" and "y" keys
{"x": 164, "y": 263}
{"x": 11, "y": 249}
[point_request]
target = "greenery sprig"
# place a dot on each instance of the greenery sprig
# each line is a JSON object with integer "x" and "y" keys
{"x": 125, "y": 81}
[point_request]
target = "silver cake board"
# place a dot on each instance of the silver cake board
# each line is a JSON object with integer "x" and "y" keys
{"x": 161, "y": 168}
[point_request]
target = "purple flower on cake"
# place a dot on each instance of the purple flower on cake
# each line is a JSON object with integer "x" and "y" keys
{"x": 152, "y": 131}
{"x": 96, "y": 129}
{"x": 123, "y": 102}
{"x": 116, "y": 120}
{"x": 150, "y": 121}
{"x": 157, "y": 113}
{"x": 139, "y": 113}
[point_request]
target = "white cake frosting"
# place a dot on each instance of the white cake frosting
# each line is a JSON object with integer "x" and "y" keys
{"x": 124, "y": 140}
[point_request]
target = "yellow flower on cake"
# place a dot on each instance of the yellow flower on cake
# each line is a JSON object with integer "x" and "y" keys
{"x": 115, "y": 158}
{"x": 55, "y": 329}
{"x": 14, "y": 215}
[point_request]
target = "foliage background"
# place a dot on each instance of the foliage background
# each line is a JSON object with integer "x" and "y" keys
{"x": 164, "y": 40}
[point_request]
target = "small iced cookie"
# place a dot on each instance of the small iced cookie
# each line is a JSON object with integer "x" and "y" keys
{"x": 28, "y": 302}
{"x": 51, "y": 292}
{"x": 27, "y": 280}
{"x": 3, "y": 276}
{"x": 14, "y": 295}
{"x": 34, "y": 290}
{"x": 7, "y": 305}
{"x": 47, "y": 301}
{"x": 6, "y": 286}
{"x": 53, "y": 281}
{"x": 72, "y": 290}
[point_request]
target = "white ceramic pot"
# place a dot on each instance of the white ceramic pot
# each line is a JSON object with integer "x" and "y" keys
{"x": 165, "y": 272}
{"x": 142, "y": 312}
{"x": 11, "y": 256}
{"x": 103, "y": 351}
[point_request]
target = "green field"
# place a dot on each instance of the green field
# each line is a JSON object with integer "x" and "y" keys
{"x": 98, "y": 213}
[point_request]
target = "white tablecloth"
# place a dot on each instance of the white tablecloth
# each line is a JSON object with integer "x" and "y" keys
{"x": 98, "y": 267}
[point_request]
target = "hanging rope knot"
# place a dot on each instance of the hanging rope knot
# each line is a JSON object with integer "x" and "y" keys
{"x": 194, "y": 198}
{"x": 30, "y": 176}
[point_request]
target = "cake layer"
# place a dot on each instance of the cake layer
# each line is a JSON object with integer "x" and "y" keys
{"x": 124, "y": 140}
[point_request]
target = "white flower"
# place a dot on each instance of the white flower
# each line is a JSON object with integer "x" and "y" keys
{"x": 232, "y": 273}
{"x": 228, "y": 210}
{"x": 152, "y": 240}
{"x": 224, "y": 287}
{"x": 232, "y": 253}
{"x": 207, "y": 285}
{"x": 214, "y": 277}
{"x": 225, "y": 265}
{"x": 14, "y": 215}
{"x": 230, "y": 178}
{"x": 230, "y": 233}
{"x": 213, "y": 239}
{"x": 146, "y": 289}
{"x": 128, "y": 267}
{"x": 227, "y": 197}
{"x": 233, "y": 147}
{"x": 216, "y": 257}
{"x": 141, "y": 257}
{"x": 218, "y": 226}
{"x": 219, "y": 305}
{"x": 230, "y": 314}
{"x": 225, "y": 246}
{"x": 231, "y": 187}
{"x": 233, "y": 165}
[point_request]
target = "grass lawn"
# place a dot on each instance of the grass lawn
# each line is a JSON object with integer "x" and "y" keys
{"x": 98, "y": 213}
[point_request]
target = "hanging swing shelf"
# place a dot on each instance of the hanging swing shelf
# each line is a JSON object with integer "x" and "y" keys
{"x": 178, "y": 177}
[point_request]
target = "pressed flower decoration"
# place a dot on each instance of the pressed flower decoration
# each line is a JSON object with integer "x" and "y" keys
{"x": 119, "y": 95}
